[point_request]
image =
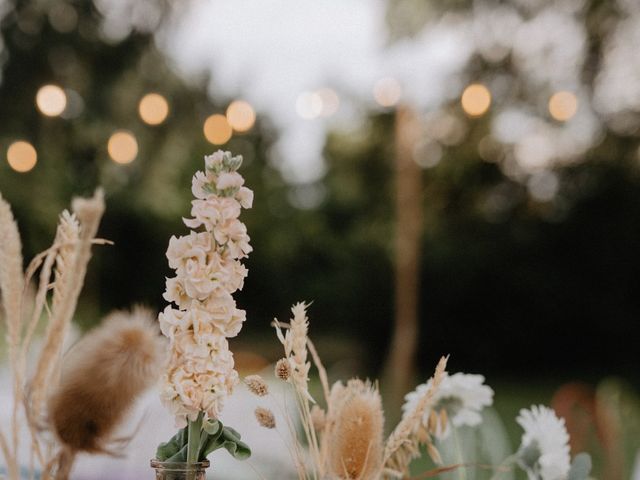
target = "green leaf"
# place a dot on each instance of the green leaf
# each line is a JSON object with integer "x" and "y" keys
{"x": 238, "y": 450}
{"x": 214, "y": 436}
{"x": 212, "y": 427}
{"x": 223, "y": 437}
{"x": 180, "y": 456}
{"x": 580, "y": 468}
{"x": 232, "y": 434}
{"x": 169, "y": 449}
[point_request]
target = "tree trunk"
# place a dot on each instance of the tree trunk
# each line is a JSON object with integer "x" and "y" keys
{"x": 400, "y": 365}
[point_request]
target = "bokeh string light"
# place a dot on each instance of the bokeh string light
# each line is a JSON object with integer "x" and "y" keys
{"x": 476, "y": 100}
{"x": 387, "y": 92}
{"x": 51, "y": 100}
{"x": 22, "y": 156}
{"x": 563, "y": 106}
{"x": 153, "y": 109}
{"x": 122, "y": 147}
{"x": 241, "y": 116}
{"x": 217, "y": 129}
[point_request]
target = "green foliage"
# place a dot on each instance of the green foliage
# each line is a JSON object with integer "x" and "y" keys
{"x": 214, "y": 436}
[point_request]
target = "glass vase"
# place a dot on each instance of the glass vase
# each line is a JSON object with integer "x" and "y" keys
{"x": 180, "y": 470}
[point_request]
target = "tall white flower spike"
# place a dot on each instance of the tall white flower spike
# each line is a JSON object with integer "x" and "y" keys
{"x": 208, "y": 270}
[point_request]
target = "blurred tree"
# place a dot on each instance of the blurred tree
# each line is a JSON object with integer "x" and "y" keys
{"x": 510, "y": 282}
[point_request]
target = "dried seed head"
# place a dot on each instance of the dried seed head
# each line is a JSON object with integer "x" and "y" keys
{"x": 257, "y": 385}
{"x": 422, "y": 435}
{"x": 283, "y": 369}
{"x": 318, "y": 418}
{"x": 102, "y": 377}
{"x": 434, "y": 454}
{"x": 433, "y": 422}
{"x": 265, "y": 417}
{"x": 444, "y": 419}
{"x": 355, "y": 439}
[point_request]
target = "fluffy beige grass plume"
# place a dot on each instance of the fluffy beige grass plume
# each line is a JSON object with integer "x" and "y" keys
{"x": 102, "y": 376}
{"x": 355, "y": 437}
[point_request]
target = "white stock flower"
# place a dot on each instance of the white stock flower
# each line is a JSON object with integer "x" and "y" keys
{"x": 461, "y": 395}
{"x": 245, "y": 197}
{"x": 544, "y": 450}
{"x": 224, "y": 315}
{"x": 175, "y": 292}
{"x": 199, "y": 184}
{"x": 212, "y": 211}
{"x": 194, "y": 247}
{"x": 229, "y": 180}
{"x": 207, "y": 271}
{"x": 172, "y": 320}
{"x": 233, "y": 235}
{"x": 214, "y": 161}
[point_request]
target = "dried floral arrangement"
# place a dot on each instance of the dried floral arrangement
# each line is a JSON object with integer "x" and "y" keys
{"x": 345, "y": 440}
{"x": 71, "y": 402}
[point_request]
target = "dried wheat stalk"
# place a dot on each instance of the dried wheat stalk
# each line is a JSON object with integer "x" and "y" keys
{"x": 70, "y": 254}
{"x": 71, "y": 265}
{"x": 11, "y": 287}
{"x": 403, "y": 444}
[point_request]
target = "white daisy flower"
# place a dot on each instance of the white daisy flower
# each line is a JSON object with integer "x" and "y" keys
{"x": 461, "y": 395}
{"x": 544, "y": 451}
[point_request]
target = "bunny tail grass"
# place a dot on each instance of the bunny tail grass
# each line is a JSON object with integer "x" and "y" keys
{"x": 102, "y": 376}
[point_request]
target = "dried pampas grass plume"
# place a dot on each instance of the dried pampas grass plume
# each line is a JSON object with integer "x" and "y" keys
{"x": 74, "y": 238}
{"x": 102, "y": 376}
{"x": 11, "y": 275}
{"x": 355, "y": 437}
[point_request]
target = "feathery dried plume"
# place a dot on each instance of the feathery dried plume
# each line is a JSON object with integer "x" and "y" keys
{"x": 283, "y": 370}
{"x": 74, "y": 241}
{"x": 257, "y": 385}
{"x": 318, "y": 418}
{"x": 355, "y": 436}
{"x": 102, "y": 376}
{"x": 295, "y": 347}
{"x": 11, "y": 275}
{"x": 403, "y": 444}
{"x": 11, "y": 289}
{"x": 265, "y": 417}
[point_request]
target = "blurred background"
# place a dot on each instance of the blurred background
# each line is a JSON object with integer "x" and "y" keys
{"x": 439, "y": 177}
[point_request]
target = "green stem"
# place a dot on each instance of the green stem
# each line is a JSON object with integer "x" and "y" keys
{"x": 507, "y": 462}
{"x": 193, "y": 440}
{"x": 462, "y": 474}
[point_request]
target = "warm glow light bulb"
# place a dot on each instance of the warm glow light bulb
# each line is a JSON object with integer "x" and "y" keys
{"x": 476, "y": 100}
{"x": 217, "y": 129}
{"x": 241, "y": 116}
{"x": 21, "y": 156}
{"x": 563, "y": 106}
{"x": 122, "y": 147}
{"x": 153, "y": 109}
{"x": 51, "y": 100}
{"x": 387, "y": 92}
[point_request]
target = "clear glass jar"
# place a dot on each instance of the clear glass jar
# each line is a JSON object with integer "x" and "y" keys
{"x": 180, "y": 470}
